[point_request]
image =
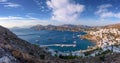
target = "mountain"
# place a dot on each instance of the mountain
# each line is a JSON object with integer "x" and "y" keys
{"x": 113, "y": 26}
{"x": 65, "y": 27}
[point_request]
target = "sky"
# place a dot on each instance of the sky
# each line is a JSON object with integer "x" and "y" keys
{"x": 21, "y": 13}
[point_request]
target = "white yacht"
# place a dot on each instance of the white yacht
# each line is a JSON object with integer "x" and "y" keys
{"x": 74, "y": 45}
{"x": 64, "y": 39}
{"x": 36, "y": 40}
{"x": 74, "y": 42}
{"x": 73, "y": 36}
{"x": 78, "y": 35}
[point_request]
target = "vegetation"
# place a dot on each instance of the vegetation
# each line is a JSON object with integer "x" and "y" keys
{"x": 104, "y": 53}
{"x": 31, "y": 53}
{"x": 87, "y": 53}
{"x": 42, "y": 56}
{"x": 67, "y": 57}
{"x": 102, "y": 58}
{"x": 56, "y": 55}
{"x": 36, "y": 44}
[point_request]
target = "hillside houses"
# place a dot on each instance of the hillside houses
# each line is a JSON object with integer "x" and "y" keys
{"x": 108, "y": 36}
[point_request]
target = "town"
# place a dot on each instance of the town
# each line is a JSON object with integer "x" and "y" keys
{"x": 106, "y": 37}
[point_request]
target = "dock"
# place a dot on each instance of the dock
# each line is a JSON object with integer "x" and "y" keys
{"x": 61, "y": 45}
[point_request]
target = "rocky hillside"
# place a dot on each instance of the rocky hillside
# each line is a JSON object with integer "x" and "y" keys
{"x": 15, "y": 50}
{"x": 112, "y": 26}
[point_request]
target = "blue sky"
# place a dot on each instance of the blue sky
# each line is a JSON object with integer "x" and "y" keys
{"x": 57, "y": 12}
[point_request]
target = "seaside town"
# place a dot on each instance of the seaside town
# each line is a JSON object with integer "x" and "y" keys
{"x": 105, "y": 40}
{"x": 107, "y": 37}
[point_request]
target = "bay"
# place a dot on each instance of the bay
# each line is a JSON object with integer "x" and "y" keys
{"x": 51, "y": 38}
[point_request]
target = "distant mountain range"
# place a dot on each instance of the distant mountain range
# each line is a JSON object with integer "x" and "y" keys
{"x": 65, "y": 27}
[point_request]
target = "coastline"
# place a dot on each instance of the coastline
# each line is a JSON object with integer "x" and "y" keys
{"x": 78, "y": 52}
{"x": 93, "y": 41}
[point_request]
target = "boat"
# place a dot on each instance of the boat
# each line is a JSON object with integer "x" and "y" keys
{"x": 74, "y": 42}
{"x": 88, "y": 46}
{"x": 73, "y": 36}
{"x": 64, "y": 39}
{"x": 74, "y": 45}
{"x": 36, "y": 40}
{"x": 78, "y": 35}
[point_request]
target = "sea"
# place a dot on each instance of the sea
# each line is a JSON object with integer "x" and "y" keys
{"x": 63, "y": 41}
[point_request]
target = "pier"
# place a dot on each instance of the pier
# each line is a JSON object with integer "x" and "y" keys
{"x": 61, "y": 45}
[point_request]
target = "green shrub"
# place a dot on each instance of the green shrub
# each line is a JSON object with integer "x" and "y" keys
{"x": 42, "y": 56}
{"x": 56, "y": 55}
{"x": 67, "y": 57}
{"x": 102, "y": 58}
{"x": 31, "y": 53}
{"x": 36, "y": 45}
{"x": 87, "y": 53}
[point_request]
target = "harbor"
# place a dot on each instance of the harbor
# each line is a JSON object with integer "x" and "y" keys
{"x": 60, "y": 45}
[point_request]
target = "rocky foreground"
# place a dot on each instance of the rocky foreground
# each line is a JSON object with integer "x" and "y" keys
{"x": 16, "y": 50}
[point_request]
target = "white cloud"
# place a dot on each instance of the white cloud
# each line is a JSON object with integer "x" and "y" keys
{"x": 3, "y": 0}
{"x": 16, "y": 21}
{"x": 21, "y": 23}
{"x": 64, "y": 10}
{"x": 18, "y": 18}
{"x": 7, "y": 4}
{"x": 103, "y": 8}
{"x": 11, "y": 18}
{"x": 30, "y": 16}
{"x": 103, "y": 12}
{"x": 13, "y": 5}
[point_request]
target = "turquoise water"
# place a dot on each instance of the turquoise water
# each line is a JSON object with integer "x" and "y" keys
{"x": 46, "y": 37}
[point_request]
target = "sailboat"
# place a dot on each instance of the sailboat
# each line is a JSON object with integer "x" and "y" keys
{"x": 36, "y": 40}
{"x": 74, "y": 42}
{"x": 73, "y": 36}
{"x": 64, "y": 39}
